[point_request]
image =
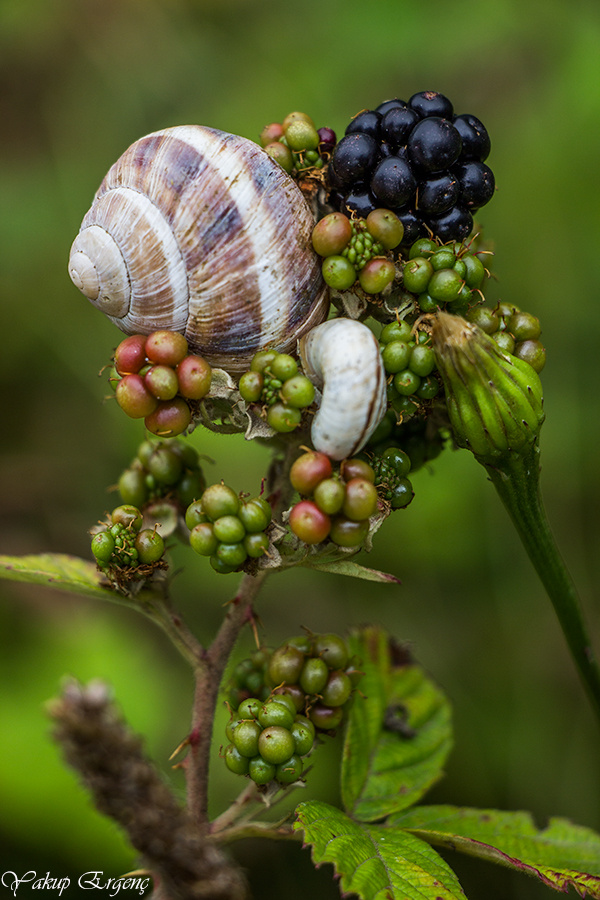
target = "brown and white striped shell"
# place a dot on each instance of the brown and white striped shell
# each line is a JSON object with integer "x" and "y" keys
{"x": 199, "y": 231}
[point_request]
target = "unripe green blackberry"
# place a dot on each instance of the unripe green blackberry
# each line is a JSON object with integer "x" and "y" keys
{"x": 122, "y": 547}
{"x": 163, "y": 469}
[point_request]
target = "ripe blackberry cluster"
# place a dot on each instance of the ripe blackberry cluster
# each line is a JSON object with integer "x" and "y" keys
{"x": 308, "y": 682}
{"x": 341, "y": 503}
{"x": 514, "y": 331}
{"x": 227, "y": 528}
{"x": 122, "y": 547}
{"x": 275, "y": 383}
{"x": 296, "y": 144}
{"x": 418, "y": 159}
{"x": 357, "y": 246}
{"x": 155, "y": 378}
{"x": 163, "y": 469}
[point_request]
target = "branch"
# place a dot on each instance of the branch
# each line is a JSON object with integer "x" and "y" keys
{"x": 208, "y": 683}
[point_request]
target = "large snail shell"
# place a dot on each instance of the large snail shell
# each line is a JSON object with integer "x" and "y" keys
{"x": 343, "y": 357}
{"x": 199, "y": 231}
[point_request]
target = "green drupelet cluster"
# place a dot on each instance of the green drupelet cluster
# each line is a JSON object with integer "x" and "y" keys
{"x": 163, "y": 468}
{"x": 227, "y": 528}
{"x": 443, "y": 274}
{"x": 516, "y": 332}
{"x": 300, "y": 690}
{"x": 123, "y": 544}
{"x": 276, "y": 384}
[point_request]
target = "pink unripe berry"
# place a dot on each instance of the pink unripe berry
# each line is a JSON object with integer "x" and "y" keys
{"x": 130, "y": 355}
{"x": 194, "y": 375}
{"x": 309, "y": 523}
{"x": 170, "y": 418}
{"x": 167, "y": 348}
{"x": 134, "y": 398}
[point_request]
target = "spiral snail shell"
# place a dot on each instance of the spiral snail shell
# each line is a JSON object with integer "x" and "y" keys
{"x": 199, "y": 231}
{"x": 343, "y": 357}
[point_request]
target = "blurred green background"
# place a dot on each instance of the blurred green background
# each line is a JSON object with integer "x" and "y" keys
{"x": 82, "y": 79}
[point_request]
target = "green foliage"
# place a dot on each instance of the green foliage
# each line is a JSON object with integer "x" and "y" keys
{"x": 558, "y": 855}
{"x": 373, "y": 861}
{"x": 398, "y": 737}
{"x": 385, "y": 771}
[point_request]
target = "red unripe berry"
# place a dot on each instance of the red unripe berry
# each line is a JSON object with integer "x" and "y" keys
{"x": 194, "y": 375}
{"x": 308, "y": 470}
{"x": 134, "y": 398}
{"x": 357, "y": 468}
{"x": 169, "y": 418}
{"x": 309, "y": 523}
{"x": 130, "y": 355}
{"x": 270, "y": 133}
{"x": 162, "y": 382}
{"x": 167, "y": 348}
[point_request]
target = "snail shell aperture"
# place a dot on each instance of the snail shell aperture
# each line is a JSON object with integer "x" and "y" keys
{"x": 199, "y": 231}
{"x": 343, "y": 358}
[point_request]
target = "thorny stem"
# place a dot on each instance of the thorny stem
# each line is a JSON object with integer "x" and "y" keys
{"x": 208, "y": 671}
{"x": 517, "y": 484}
{"x": 208, "y": 680}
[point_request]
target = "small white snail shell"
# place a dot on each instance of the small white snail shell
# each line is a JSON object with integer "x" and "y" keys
{"x": 343, "y": 357}
{"x": 199, "y": 231}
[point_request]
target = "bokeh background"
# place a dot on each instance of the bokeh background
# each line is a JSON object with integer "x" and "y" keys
{"x": 79, "y": 81}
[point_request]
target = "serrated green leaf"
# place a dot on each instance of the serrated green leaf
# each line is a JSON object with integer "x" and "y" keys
{"x": 399, "y": 731}
{"x": 560, "y": 855}
{"x": 354, "y": 570}
{"x": 62, "y": 572}
{"x": 373, "y": 861}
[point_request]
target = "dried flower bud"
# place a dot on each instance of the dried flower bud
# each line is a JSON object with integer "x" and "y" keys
{"x": 494, "y": 399}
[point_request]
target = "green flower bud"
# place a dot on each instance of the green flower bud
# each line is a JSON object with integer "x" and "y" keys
{"x": 494, "y": 399}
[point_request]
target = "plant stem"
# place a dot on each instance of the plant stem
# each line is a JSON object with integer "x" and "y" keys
{"x": 208, "y": 681}
{"x": 209, "y": 670}
{"x": 517, "y": 484}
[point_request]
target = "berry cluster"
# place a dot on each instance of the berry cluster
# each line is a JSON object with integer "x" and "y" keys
{"x": 249, "y": 678}
{"x": 340, "y": 504}
{"x": 296, "y": 144}
{"x": 228, "y": 529}
{"x": 155, "y": 378}
{"x": 123, "y": 544}
{"x": 391, "y": 467}
{"x": 514, "y": 331}
{"x": 442, "y": 274}
{"x": 421, "y": 437}
{"x": 163, "y": 469}
{"x": 418, "y": 159}
{"x": 310, "y": 681}
{"x": 351, "y": 246}
{"x": 408, "y": 356}
{"x": 275, "y": 382}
